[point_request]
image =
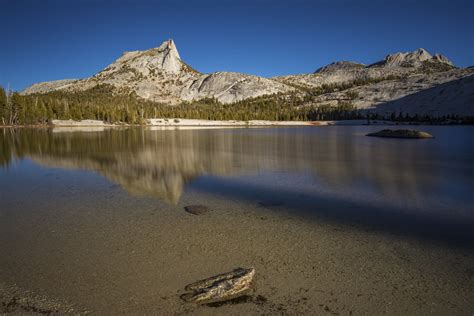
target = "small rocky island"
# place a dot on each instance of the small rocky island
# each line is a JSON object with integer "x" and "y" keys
{"x": 401, "y": 133}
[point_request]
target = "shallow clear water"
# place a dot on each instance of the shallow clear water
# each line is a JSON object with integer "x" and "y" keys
{"x": 330, "y": 219}
{"x": 416, "y": 188}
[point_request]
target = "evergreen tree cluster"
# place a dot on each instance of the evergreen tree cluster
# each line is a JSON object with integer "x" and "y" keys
{"x": 103, "y": 103}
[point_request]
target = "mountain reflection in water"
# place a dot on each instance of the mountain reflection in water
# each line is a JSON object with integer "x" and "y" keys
{"x": 161, "y": 163}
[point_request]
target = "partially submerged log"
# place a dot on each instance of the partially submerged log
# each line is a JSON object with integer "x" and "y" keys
{"x": 401, "y": 133}
{"x": 222, "y": 287}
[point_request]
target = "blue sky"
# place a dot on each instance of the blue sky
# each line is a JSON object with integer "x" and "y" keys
{"x": 48, "y": 40}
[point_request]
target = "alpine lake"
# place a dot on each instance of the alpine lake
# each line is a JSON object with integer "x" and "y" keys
{"x": 93, "y": 220}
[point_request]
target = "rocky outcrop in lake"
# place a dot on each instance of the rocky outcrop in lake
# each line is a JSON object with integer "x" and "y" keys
{"x": 401, "y": 133}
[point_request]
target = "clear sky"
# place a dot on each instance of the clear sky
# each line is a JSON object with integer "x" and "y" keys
{"x": 48, "y": 40}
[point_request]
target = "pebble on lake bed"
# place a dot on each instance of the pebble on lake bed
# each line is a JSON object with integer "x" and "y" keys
{"x": 221, "y": 287}
{"x": 196, "y": 209}
{"x": 401, "y": 133}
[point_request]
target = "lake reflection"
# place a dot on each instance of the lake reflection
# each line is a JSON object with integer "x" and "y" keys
{"x": 339, "y": 161}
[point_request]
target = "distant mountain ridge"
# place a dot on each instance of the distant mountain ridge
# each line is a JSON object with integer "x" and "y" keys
{"x": 412, "y": 59}
{"x": 339, "y": 65}
{"x": 160, "y": 75}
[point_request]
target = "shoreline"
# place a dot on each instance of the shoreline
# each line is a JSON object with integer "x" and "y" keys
{"x": 176, "y": 122}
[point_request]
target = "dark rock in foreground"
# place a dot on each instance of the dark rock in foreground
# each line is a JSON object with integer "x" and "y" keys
{"x": 219, "y": 288}
{"x": 196, "y": 209}
{"x": 401, "y": 133}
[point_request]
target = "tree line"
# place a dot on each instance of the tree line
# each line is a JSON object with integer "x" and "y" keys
{"x": 102, "y": 103}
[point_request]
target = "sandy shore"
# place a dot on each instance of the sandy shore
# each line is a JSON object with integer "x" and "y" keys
{"x": 176, "y": 122}
{"x": 192, "y": 122}
{"x": 181, "y": 122}
{"x": 96, "y": 125}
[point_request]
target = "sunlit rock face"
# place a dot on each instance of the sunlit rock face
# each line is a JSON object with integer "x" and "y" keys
{"x": 393, "y": 66}
{"x": 413, "y": 59}
{"x": 435, "y": 94}
{"x": 228, "y": 87}
{"x": 159, "y": 74}
{"x": 164, "y": 58}
{"x": 338, "y": 66}
{"x": 44, "y": 87}
{"x": 414, "y": 83}
{"x": 161, "y": 163}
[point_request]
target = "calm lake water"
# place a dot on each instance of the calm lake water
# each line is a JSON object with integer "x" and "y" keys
{"x": 418, "y": 187}
{"x": 331, "y": 219}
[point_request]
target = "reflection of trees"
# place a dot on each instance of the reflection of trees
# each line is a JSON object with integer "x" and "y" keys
{"x": 6, "y": 146}
{"x": 160, "y": 163}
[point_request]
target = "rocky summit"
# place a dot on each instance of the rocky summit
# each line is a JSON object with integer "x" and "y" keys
{"x": 413, "y": 59}
{"x": 159, "y": 74}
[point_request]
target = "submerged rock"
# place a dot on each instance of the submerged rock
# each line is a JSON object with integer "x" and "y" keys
{"x": 271, "y": 203}
{"x": 196, "y": 209}
{"x": 221, "y": 287}
{"x": 401, "y": 133}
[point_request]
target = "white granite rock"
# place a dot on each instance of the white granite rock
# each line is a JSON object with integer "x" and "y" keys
{"x": 159, "y": 74}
